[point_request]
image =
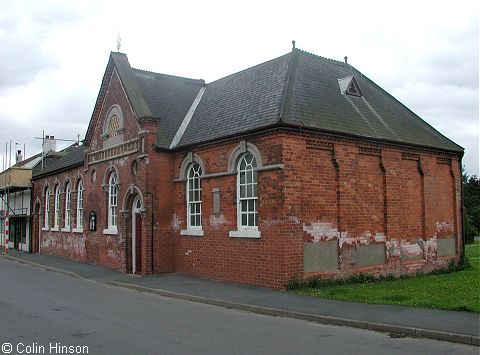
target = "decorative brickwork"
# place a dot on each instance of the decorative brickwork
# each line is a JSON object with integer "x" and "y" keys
{"x": 328, "y": 205}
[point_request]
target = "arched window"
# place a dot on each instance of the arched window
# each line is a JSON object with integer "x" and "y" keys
{"x": 113, "y": 127}
{"x": 247, "y": 204}
{"x": 194, "y": 197}
{"x": 68, "y": 192}
{"x": 47, "y": 207}
{"x": 79, "y": 205}
{"x": 112, "y": 201}
{"x": 56, "y": 219}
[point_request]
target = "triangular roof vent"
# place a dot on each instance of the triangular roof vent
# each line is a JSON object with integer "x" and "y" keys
{"x": 349, "y": 86}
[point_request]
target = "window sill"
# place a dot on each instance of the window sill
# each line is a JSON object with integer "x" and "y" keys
{"x": 245, "y": 234}
{"x": 67, "y": 229}
{"x": 45, "y": 228}
{"x": 54, "y": 229}
{"x": 192, "y": 232}
{"x": 111, "y": 231}
{"x": 77, "y": 230}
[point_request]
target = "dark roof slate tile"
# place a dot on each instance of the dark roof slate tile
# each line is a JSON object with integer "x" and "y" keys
{"x": 74, "y": 156}
{"x": 169, "y": 98}
{"x": 239, "y": 102}
{"x": 316, "y": 101}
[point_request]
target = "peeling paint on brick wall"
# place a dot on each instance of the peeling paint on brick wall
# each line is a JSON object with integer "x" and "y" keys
{"x": 411, "y": 251}
{"x": 445, "y": 228}
{"x": 68, "y": 245}
{"x": 217, "y": 222}
{"x": 327, "y": 200}
{"x": 121, "y": 162}
{"x": 393, "y": 249}
{"x": 430, "y": 249}
{"x": 76, "y": 245}
{"x": 293, "y": 219}
{"x": 321, "y": 231}
{"x": 116, "y": 255}
{"x": 176, "y": 222}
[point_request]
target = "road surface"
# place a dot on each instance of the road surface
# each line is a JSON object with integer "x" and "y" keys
{"x": 43, "y": 312}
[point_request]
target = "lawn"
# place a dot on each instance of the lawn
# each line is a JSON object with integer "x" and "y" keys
{"x": 458, "y": 291}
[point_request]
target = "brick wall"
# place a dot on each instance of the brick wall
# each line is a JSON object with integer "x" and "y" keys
{"x": 391, "y": 210}
{"x": 216, "y": 255}
{"x": 97, "y": 247}
{"x": 328, "y": 206}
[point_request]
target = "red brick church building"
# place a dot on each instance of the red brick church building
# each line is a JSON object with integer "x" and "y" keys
{"x": 297, "y": 167}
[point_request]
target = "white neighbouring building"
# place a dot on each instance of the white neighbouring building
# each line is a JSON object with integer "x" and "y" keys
{"x": 15, "y": 199}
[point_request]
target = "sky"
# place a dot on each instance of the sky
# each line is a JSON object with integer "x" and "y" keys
{"x": 53, "y": 54}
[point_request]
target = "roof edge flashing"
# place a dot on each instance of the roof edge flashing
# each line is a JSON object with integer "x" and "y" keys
{"x": 188, "y": 117}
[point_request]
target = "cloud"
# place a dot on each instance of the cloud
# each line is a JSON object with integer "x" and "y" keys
{"x": 53, "y": 53}
{"x": 25, "y": 28}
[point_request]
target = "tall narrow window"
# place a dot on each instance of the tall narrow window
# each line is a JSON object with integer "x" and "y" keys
{"x": 247, "y": 208}
{"x": 56, "y": 220}
{"x": 194, "y": 197}
{"x": 80, "y": 205}
{"x": 112, "y": 201}
{"x": 47, "y": 207}
{"x": 68, "y": 192}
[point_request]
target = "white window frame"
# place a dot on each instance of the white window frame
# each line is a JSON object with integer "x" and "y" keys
{"x": 194, "y": 173}
{"x": 79, "y": 221}
{"x": 47, "y": 209}
{"x": 56, "y": 217}
{"x": 247, "y": 194}
{"x": 68, "y": 208}
{"x": 112, "y": 201}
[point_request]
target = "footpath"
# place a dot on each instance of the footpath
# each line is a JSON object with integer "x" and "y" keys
{"x": 460, "y": 327}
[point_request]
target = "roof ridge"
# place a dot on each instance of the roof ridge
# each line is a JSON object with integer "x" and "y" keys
{"x": 169, "y": 75}
{"x": 243, "y": 70}
{"x": 284, "y": 106}
{"x": 334, "y": 61}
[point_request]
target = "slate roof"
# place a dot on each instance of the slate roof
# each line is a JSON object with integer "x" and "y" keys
{"x": 302, "y": 89}
{"x": 298, "y": 89}
{"x": 74, "y": 156}
{"x": 168, "y": 99}
{"x": 239, "y": 102}
{"x": 316, "y": 101}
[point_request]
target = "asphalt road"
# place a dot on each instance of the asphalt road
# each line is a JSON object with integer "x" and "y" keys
{"x": 41, "y": 311}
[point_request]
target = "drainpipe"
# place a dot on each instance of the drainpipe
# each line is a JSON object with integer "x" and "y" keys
{"x": 151, "y": 238}
{"x": 462, "y": 211}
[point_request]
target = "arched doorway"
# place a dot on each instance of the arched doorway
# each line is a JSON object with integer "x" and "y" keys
{"x": 137, "y": 235}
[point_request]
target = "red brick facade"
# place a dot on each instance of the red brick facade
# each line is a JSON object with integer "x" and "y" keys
{"x": 328, "y": 206}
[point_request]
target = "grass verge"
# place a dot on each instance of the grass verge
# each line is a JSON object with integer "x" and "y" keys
{"x": 445, "y": 289}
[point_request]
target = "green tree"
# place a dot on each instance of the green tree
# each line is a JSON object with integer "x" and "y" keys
{"x": 471, "y": 195}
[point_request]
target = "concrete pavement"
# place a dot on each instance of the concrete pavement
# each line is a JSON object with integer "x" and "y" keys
{"x": 461, "y": 327}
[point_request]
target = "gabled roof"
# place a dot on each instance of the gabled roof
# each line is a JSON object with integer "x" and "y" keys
{"x": 316, "y": 102}
{"x": 302, "y": 89}
{"x": 297, "y": 89}
{"x": 73, "y": 156}
{"x": 239, "y": 102}
{"x": 166, "y": 98}
{"x": 30, "y": 162}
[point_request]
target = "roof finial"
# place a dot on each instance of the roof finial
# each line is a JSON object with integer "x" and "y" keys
{"x": 293, "y": 45}
{"x": 346, "y": 59}
{"x": 119, "y": 42}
